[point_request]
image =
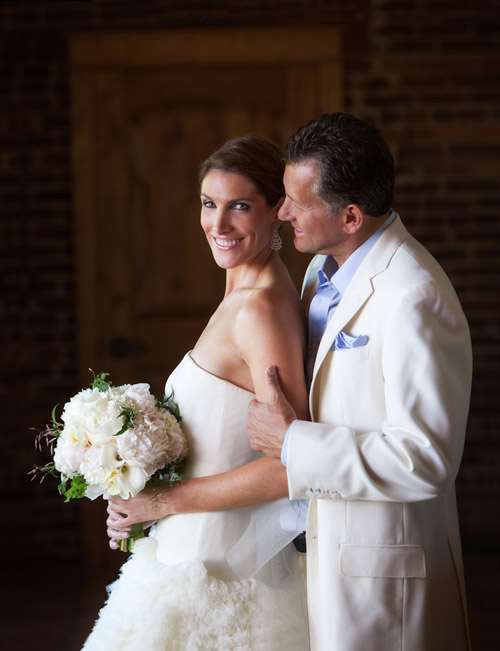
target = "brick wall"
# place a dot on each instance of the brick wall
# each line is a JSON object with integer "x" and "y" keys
{"x": 427, "y": 72}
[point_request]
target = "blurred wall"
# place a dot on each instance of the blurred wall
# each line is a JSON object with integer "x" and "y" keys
{"x": 426, "y": 71}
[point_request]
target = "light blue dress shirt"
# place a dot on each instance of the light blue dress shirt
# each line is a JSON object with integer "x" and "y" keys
{"x": 333, "y": 283}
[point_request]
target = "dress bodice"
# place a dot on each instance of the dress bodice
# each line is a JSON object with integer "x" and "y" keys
{"x": 214, "y": 417}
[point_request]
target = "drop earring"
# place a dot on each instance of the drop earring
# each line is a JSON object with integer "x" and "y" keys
{"x": 276, "y": 240}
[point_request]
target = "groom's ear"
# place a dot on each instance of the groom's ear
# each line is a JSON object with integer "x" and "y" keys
{"x": 353, "y": 218}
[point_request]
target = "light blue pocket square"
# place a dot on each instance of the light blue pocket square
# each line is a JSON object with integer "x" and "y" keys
{"x": 344, "y": 341}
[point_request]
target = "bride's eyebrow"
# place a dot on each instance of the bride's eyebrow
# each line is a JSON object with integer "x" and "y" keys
{"x": 241, "y": 199}
{"x": 235, "y": 200}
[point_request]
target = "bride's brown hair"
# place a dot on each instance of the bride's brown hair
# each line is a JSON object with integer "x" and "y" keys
{"x": 257, "y": 159}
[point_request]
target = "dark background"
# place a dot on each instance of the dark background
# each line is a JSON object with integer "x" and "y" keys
{"x": 426, "y": 71}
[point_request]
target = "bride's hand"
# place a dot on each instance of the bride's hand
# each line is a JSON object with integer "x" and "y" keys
{"x": 148, "y": 505}
{"x": 118, "y": 528}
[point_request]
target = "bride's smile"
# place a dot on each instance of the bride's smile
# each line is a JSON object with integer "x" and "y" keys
{"x": 225, "y": 245}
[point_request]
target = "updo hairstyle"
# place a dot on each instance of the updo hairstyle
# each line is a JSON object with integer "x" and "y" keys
{"x": 257, "y": 159}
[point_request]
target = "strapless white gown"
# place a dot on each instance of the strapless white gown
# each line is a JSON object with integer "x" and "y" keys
{"x": 203, "y": 581}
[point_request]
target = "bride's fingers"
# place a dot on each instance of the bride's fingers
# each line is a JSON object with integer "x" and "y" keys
{"x": 113, "y": 544}
{"x": 115, "y": 508}
{"x": 117, "y": 519}
{"x": 119, "y": 534}
{"x": 117, "y": 502}
{"x": 114, "y": 525}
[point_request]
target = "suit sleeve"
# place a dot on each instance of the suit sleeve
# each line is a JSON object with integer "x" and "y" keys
{"x": 425, "y": 370}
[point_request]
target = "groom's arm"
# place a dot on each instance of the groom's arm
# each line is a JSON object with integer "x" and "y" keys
{"x": 413, "y": 453}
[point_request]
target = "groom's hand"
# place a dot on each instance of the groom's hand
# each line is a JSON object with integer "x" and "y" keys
{"x": 269, "y": 421}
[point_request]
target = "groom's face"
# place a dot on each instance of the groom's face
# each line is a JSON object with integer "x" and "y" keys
{"x": 315, "y": 230}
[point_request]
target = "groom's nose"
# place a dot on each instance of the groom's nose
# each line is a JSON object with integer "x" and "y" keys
{"x": 284, "y": 213}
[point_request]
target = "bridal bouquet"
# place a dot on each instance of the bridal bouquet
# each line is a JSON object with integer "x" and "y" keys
{"x": 114, "y": 441}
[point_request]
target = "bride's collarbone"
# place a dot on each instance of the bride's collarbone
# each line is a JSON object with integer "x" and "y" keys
{"x": 230, "y": 307}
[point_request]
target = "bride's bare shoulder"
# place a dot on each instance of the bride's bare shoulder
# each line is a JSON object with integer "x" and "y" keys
{"x": 270, "y": 306}
{"x": 270, "y": 331}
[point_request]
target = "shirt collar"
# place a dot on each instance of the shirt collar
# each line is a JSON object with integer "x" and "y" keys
{"x": 341, "y": 277}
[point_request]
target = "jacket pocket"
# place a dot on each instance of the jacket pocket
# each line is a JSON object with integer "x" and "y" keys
{"x": 351, "y": 355}
{"x": 382, "y": 561}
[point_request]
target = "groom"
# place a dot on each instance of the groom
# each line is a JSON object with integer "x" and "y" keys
{"x": 389, "y": 368}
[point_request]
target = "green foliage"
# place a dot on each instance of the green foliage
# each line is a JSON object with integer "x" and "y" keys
{"x": 171, "y": 474}
{"x": 128, "y": 414}
{"x": 170, "y": 405}
{"x": 99, "y": 381}
{"x": 55, "y": 428}
{"x": 177, "y": 471}
{"x": 76, "y": 489}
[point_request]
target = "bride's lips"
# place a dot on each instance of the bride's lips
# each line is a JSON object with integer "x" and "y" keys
{"x": 224, "y": 244}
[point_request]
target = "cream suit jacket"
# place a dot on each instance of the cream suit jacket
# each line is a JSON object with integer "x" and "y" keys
{"x": 380, "y": 459}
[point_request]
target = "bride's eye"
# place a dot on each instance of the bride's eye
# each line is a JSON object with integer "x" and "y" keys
{"x": 206, "y": 203}
{"x": 241, "y": 206}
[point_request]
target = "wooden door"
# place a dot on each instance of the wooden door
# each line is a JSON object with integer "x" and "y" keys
{"x": 147, "y": 109}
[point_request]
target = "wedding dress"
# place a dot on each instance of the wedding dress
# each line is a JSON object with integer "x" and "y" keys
{"x": 220, "y": 581}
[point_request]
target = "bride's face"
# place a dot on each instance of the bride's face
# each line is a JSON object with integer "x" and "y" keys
{"x": 236, "y": 218}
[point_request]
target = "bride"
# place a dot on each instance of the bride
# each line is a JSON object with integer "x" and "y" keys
{"x": 219, "y": 571}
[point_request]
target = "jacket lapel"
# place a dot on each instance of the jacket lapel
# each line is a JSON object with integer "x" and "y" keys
{"x": 360, "y": 287}
{"x": 311, "y": 281}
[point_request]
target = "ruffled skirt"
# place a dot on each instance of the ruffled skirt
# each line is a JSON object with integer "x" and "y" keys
{"x": 154, "y": 606}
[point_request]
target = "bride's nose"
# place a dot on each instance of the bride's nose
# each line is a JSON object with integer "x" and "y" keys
{"x": 221, "y": 223}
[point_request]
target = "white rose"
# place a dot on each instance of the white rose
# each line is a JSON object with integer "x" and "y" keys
{"x": 75, "y": 435}
{"x": 153, "y": 442}
{"x": 177, "y": 446}
{"x": 68, "y": 457}
{"x": 93, "y": 472}
{"x": 95, "y": 413}
{"x": 139, "y": 396}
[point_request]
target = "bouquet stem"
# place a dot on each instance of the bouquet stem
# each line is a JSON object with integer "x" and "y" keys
{"x": 136, "y": 533}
